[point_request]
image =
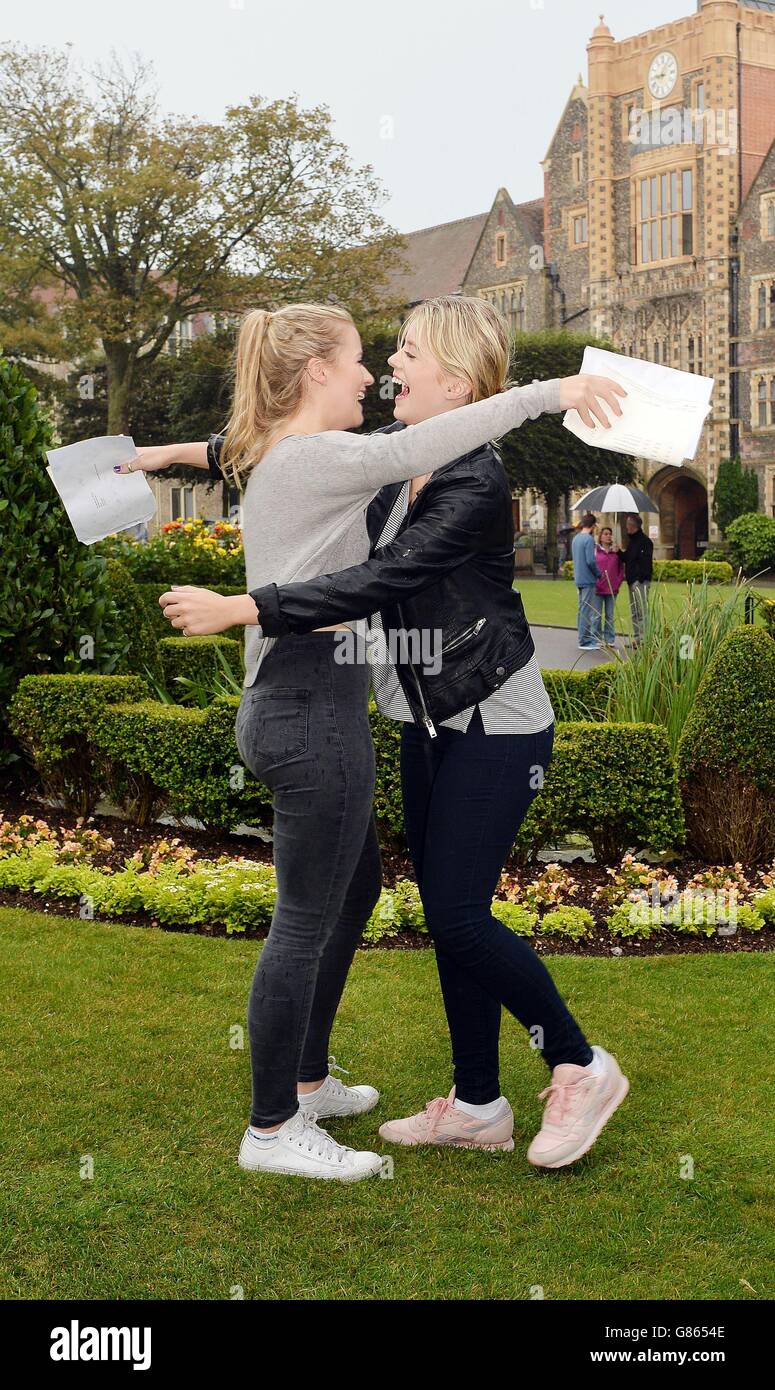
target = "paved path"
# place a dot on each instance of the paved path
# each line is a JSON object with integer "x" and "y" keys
{"x": 557, "y": 647}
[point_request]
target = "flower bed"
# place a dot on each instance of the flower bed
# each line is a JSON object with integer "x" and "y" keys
{"x": 165, "y": 882}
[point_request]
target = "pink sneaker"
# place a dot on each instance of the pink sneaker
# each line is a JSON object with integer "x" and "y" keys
{"x": 441, "y": 1123}
{"x": 577, "y": 1108}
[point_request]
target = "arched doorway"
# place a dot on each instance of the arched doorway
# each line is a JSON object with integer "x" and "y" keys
{"x": 683, "y": 512}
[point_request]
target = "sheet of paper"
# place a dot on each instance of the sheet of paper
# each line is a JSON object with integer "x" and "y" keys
{"x": 97, "y": 500}
{"x": 662, "y": 414}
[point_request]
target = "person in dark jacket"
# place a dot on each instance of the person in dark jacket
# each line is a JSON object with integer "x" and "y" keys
{"x": 638, "y": 558}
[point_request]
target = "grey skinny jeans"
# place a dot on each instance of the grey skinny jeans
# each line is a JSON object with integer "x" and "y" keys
{"x": 303, "y": 729}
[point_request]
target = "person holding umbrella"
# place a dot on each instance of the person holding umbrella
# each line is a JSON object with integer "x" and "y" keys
{"x": 638, "y": 558}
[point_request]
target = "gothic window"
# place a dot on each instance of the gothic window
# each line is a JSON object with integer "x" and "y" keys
{"x": 764, "y": 401}
{"x": 764, "y": 314}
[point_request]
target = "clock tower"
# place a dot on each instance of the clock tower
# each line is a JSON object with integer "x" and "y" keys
{"x": 679, "y": 121}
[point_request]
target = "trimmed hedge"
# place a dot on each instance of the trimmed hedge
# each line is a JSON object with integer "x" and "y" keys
{"x": 133, "y": 625}
{"x": 150, "y": 592}
{"x": 751, "y": 541}
{"x": 580, "y": 694}
{"x": 107, "y": 738}
{"x": 680, "y": 571}
{"x": 55, "y": 718}
{"x": 615, "y": 783}
{"x": 726, "y": 754}
{"x": 184, "y": 760}
{"x": 196, "y": 659}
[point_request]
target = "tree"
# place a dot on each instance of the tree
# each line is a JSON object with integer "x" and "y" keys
{"x": 542, "y": 454}
{"x": 125, "y": 221}
{"x": 736, "y": 492}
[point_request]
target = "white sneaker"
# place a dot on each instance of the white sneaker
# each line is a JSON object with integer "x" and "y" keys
{"x": 333, "y": 1098}
{"x": 308, "y": 1151}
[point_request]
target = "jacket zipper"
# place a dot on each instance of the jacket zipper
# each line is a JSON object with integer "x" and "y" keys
{"x": 463, "y": 636}
{"x": 427, "y": 721}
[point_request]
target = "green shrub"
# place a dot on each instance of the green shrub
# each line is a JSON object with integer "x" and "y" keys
{"x": 751, "y": 540}
{"x": 25, "y": 869}
{"x": 768, "y": 609}
{"x": 196, "y": 660}
{"x": 140, "y": 655}
{"x": 150, "y": 592}
{"x": 388, "y": 801}
{"x": 715, "y": 569}
{"x": 55, "y": 719}
{"x": 726, "y": 755}
{"x": 184, "y": 760}
{"x": 634, "y": 919}
{"x": 750, "y": 916}
{"x": 701, "y": 915}
{"x": 406, "y": 896}
{"x": 55, "y": 613}
{"x": 384, "y": 920}
{"x": 691, "y": 913}
{"x": 693, "y": 571}
{"x": 238, "y": 895}
{"x": 736, "y": 491}
{"x": 517, "y": 918}
{"x": 573, "y": 922}
{"x": 579, "y": 694}
{"x": 764, "y": 903}
{"x": 614, "y": 783}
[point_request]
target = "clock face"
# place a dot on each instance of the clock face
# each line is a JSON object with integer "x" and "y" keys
{"x": 662, "y": 75}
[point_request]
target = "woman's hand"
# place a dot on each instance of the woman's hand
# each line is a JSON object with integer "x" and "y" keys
{"x": 584, "y": 393}
{"x": 199, "y": 612}
{"x": 148, "y": 460}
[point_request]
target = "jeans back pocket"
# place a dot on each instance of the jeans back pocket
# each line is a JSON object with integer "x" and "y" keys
{"x": 274, "y": 727}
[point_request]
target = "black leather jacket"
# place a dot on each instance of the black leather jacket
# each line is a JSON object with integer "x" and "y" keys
{"x": 448, "y": 573}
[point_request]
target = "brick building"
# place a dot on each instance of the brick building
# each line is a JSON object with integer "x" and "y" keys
{"x": 656, "y": 228}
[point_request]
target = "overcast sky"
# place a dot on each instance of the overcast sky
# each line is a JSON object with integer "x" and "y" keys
{"x": 448, "y": 99}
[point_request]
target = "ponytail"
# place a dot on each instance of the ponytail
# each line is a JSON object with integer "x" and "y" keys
{"x": 271, "y": 356}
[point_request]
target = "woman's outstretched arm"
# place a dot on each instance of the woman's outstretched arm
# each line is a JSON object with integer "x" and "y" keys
{"x": 155, "y": 457}
{"x": 422, "y": 448}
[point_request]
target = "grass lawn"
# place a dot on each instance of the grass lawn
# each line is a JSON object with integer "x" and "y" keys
{"x": 554, "y": 601}
{"x": 116, "y": 1044}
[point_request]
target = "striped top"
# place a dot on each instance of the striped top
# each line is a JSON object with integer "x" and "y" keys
{"x": 520, "y": 706}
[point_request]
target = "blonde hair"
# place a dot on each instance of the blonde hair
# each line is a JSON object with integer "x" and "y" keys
{"x": 468, "y": 337}
{"x": 271, "y": 357}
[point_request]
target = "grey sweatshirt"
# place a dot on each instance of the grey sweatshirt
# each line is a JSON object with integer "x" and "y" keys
{"x": 304, "y": 505}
